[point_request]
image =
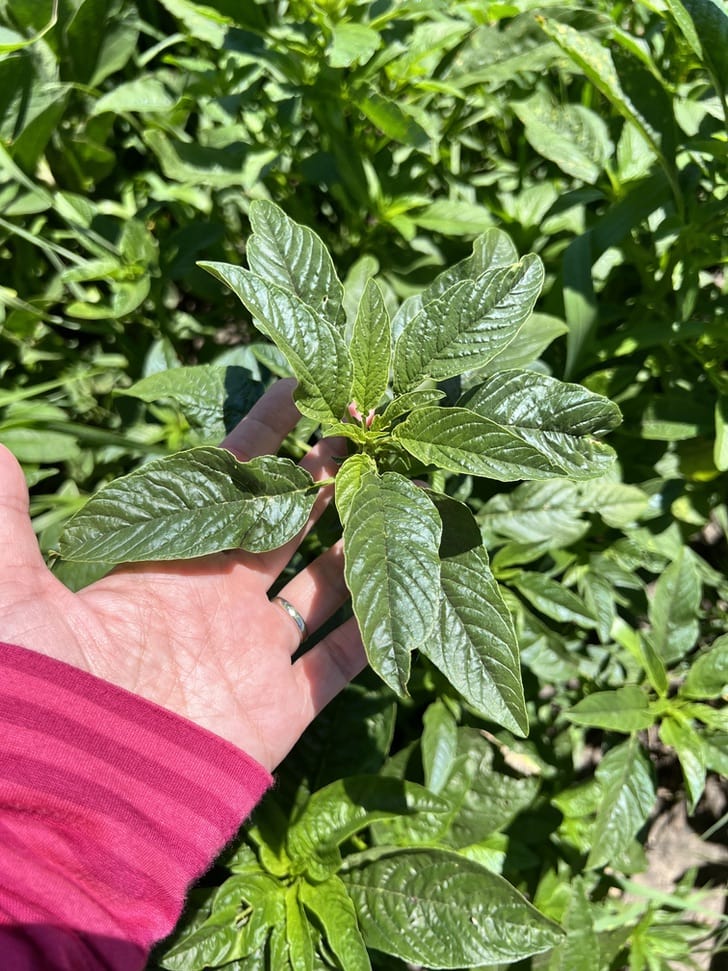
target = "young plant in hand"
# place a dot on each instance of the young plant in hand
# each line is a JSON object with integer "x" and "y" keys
{"x": 416, "y": 567}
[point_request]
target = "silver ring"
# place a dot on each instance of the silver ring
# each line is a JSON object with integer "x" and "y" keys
{"x": 294, "y": 615}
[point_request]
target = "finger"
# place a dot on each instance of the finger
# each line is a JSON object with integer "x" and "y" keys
{"x": 327, "y": 668}
{"x": 267, "y": 423}
{"x": 316, "y": 593}
{"x": 18, "y": 545}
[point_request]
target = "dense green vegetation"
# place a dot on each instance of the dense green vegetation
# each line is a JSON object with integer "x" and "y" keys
{"x": 134, "y": 137}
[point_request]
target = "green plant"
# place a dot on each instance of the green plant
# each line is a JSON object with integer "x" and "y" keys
{"x": 416, "y": 567}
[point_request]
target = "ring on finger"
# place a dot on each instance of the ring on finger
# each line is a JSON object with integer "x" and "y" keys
{"x": 294, "y": 615}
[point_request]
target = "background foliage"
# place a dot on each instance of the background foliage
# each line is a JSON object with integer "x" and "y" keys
{"x": 133, "y": 137}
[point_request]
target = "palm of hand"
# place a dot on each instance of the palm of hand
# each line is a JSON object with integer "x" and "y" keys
{"x": 199, "y": 637}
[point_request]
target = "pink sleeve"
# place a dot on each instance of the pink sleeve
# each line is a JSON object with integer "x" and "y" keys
{"x": 110, "y": 806}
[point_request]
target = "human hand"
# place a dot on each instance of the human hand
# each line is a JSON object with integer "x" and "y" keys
{"x": 199, "y": 637}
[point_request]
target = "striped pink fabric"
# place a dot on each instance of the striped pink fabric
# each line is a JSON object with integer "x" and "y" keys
{"x": 110, "y": 806}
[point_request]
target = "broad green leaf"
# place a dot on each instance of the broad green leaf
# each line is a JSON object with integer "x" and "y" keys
{"x": 439, "y": 744}
{"x": 673, "y": 610}
{"x": 142, "y": 94}
{"x": 579, "y": 949}
{"x": 391, "y": 119}
{"x": 349, "y": 481}
{"x": 460, "y": 440}
{"x": 595, "y": 60}
{"x": 391, "y": 543}
{"x": 332, "y": 907}
{"x": 468, "y": 325}
{"x": 453, "y": 217}
{"x": 346, "y": 806}
{"x": 705, "y": 25}
{"x": 439, "y": 909}
{"x": 536, "y": 512}
{"x": 404, "y": 403}
{"x": 688, "y": 747}
{"x": 211, "y": 397}
{"x": 538, "y": 332}
{"x": 618, "y": 504}
{"x": 298, "y": 931}
{"x": 245, "y": 907}
{"x": 476, "y": 646}
{"x": 624, "y": 709}
{"x": 315, "y": 350}
{"x": 600, "y": 599}
{"x": 352, "y": 44}
{"x": 628, "y": 796}
{"x": 570, "y": 135}
{"x": 480, "y": 800}
{"x": 202, "y": 21}
{"x": 708, "y": 674}
{"x": 190, "y": 504}
{"x": 492, "y": 249}
{"x": 552, "y": 598}
{"x": 355, "y": 283}
{"x": 370, "y": 349}
{"x": 293, "y": 257}
{"x": 526, "y": 399}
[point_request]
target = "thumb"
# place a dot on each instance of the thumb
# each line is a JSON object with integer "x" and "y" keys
{"x": 18, "y": 545}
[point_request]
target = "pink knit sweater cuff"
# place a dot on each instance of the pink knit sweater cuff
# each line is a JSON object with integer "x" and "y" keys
{"x": 110, "y": 806}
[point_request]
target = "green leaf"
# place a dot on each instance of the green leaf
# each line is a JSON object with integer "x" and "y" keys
{"x": 211, "y": 397}
{"x": 245, "y": 907}
{"x": 293, "y": 257}
{"x": 201, "y": 21}
{"x": 459, "y": 440}
{"x": 468, "y": 325}
{"x": 536, "y": 512}
{"x": 480, "y": 800}
{"x": 190, "y": 504}
{"x": 595, "y": 60}
{"x": 298, "y": 931}
{"x": 673, "y": 610}
{"x": 439, "y": 744}
{"x": 476, "y": 646}
{"x": 315, "y": 350}
{"x": 439, "y": 909}
{"x": 407, "y": 402}
{"x": 705, "y": 25}
{"x": 516, "y": 425}
{"x": 624, "y": 709}
{"x": 708, "y": 674}
{"x": 570, "y": 135}
{"x": 628, "y": 796}
{"x": 336, "y": 812}
{"x": 491, "y": 249}
{"x": 391, "y": 543}
{"x": 688, "y": 747}
{"x": 332, "y": 907}
{"x": 370, "y": 349}
{"x": 349, "y": 481}
{"x": 579, "y": 949}
{"x": 553, "y": 599}
{"x": 538, "y": 332}
{"x": 142, "y": 94}
{"x": 352, "y": 44}
{"x": 526, "y": 399}
{"x": 391, "y": 119}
